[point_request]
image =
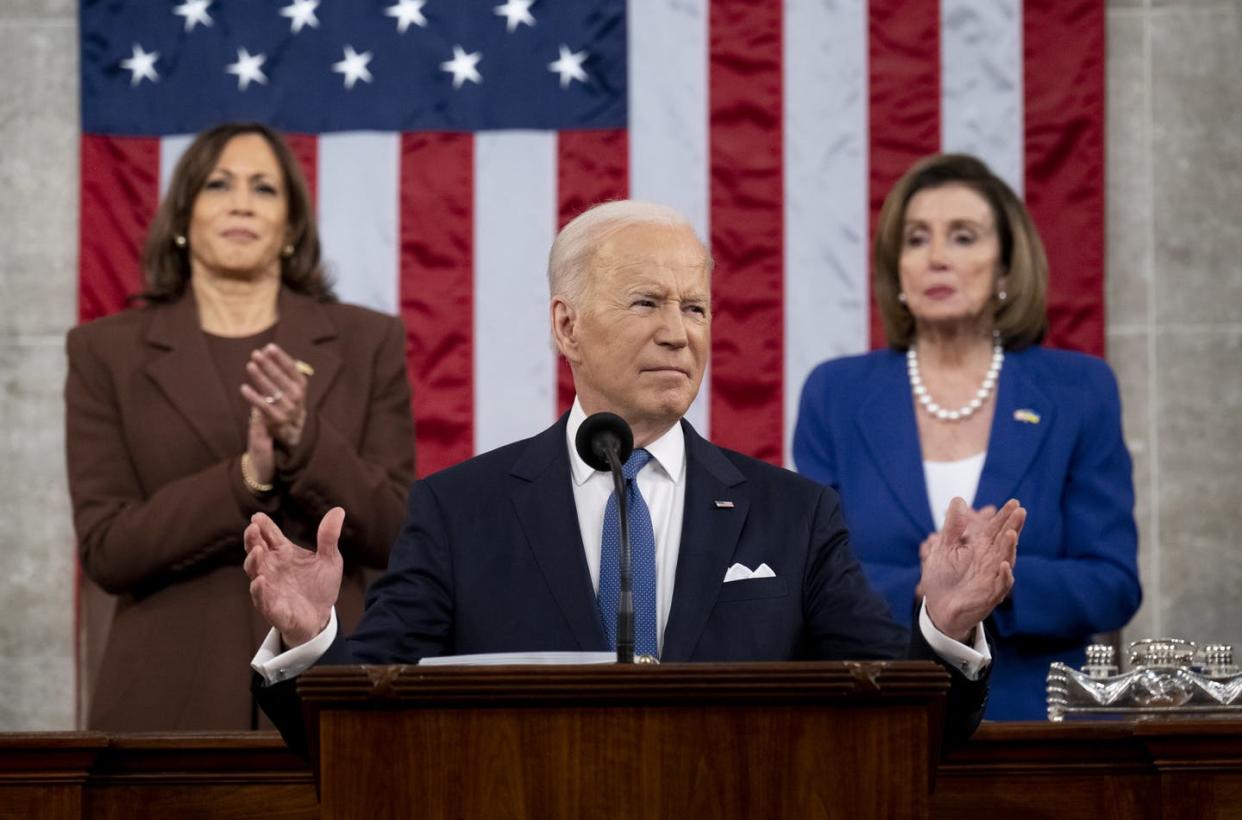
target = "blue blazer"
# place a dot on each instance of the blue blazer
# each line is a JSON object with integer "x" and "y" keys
{"x": 490, "y": 559}
{"x": 1055, "y": 445}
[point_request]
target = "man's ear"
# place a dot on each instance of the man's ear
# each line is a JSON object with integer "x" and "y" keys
{"x": 565, "y": 328}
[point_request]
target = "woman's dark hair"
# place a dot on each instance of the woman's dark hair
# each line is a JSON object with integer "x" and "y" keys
{"x": 1022, "y": 318}
{"x": 166, "y": 266}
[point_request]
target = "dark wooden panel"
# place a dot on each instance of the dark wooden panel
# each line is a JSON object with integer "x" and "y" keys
{"x": 42, "y": 774}
{"x": 46, "y": 802}
{"x": 627, "y": 763}
{"x": 750, "y": 758}
{"x": 672, "y": 741}
{"x": 239, "y": 775}
{"x": 1158, "y": 769}
{"x": 89, "y": 775}
{"x": 202, "y": 801}
{"x": 1097, "y": 795}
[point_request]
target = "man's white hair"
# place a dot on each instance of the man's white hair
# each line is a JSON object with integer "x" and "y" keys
{"x": 570, "y": 258}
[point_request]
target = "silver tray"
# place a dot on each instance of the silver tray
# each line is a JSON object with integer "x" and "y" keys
{"x": 1169, "y": 677}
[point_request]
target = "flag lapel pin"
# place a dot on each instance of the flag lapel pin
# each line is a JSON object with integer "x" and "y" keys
{"x": 723, "y": 505}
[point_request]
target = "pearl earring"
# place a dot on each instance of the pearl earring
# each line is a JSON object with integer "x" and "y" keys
{"x": 287, "y": 251}
{"x": 901, "y": 297}
{"x": 1002, "y": 296}
{"x": 179, "y": 240}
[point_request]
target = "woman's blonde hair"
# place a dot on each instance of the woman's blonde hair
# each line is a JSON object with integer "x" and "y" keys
{"x": 1021, "y": 318}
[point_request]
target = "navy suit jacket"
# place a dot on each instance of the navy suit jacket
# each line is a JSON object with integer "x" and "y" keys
{"x": 1055, "y": 445}
{"x": 490, "y": 559}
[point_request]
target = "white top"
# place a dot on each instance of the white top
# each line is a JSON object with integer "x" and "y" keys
{"x": 949, "y": 479}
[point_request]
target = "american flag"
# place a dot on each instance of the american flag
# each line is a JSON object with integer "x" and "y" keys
{"x": 446, "y": 142}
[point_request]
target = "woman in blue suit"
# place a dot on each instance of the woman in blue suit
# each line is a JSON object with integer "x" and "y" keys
{"x": 964, "y": 403}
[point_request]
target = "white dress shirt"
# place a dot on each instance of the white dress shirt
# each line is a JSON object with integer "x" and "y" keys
{"x": 662, "y": 481}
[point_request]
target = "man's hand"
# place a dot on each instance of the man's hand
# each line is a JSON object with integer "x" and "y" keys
{"x": 294, "y": 589}
{"x": 969, "y": 568}
{"x": 985, "y": 512}
{"x": 924, "y": 551}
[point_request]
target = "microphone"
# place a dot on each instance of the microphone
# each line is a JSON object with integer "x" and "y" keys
{"x": 605, "y": 442}
{"x": 601, "y": 434}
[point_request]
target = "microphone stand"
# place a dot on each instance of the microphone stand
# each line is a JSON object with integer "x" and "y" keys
{"x": 625, "y": 602}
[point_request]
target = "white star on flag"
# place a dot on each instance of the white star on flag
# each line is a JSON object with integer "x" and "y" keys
{"x": 516, "y": 12}
{"x": 248, "y": 68}
{"x": 569, "y": 66}
{"x": 406, "y": 12}
{"x": 462, "y": 66}
{"x": 301, "y": 13}
{"x": 354, "y": 67}
{"x": 194, "y": 12}
{"x": 141, "y": 65}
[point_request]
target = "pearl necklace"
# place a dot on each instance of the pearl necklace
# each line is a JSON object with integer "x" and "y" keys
{"x": 966, "y": 410}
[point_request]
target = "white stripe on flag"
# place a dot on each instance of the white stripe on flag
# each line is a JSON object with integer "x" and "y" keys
{"x": 826, "y": 212}
{"x": 515, "y": 212}
{"x": 171, "y": 149}
{"x": 668, "y": 120}
{"x": 981, "y": 83}
{"x": 359, "y": 200}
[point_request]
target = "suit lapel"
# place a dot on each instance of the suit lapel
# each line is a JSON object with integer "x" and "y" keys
{"x": 885, "y": 421}
{"x": 182, "y": 368}
{"x": 709, "y": 539}
{"x": 1024, "y": 414}
{"x": 542, "y": 494}
{"x": 306, "y": 332}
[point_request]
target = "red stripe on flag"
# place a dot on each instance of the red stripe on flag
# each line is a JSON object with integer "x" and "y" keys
{"x": 592, "y": 167}
{"x": 904, "y": 108}
{"x": 747, "y": 227}
{"x": 305, "y": 148}
{"x": 1063, "y": 46}
{"x": 437, "y": 293}
{"x": 120, "y": 184}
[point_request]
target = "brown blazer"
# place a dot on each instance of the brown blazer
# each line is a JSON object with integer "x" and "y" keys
{"x": 154, "y": 448}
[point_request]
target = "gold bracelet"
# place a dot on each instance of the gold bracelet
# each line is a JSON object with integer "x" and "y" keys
{"x": 252, "y": 484}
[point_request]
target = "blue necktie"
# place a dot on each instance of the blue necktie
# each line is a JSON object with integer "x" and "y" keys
{"x": 642, "y": 551}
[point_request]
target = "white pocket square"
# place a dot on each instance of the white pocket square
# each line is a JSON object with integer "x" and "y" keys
{"x": 741, "y": 572}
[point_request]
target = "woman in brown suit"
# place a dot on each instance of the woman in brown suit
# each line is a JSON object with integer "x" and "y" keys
{"x": 240, "y": 386}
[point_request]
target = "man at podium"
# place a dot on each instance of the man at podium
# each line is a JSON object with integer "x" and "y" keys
{"x": 733, "y": 559}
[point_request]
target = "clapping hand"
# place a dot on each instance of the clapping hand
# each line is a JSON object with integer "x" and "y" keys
{"x": 985, "y": 512}
{"x": 277, "y": 390}
{"x": 293, "y": 588}
{"x": 969, "y": 567}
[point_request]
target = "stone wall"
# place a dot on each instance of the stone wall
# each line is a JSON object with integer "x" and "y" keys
{"x": 38, "y": 261}
{"x": 1174, "y": 296}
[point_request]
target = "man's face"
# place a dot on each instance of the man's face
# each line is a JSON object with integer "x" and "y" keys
{"x": 638, "y": 341}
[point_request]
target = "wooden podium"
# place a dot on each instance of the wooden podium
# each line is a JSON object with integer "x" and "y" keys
{"x": 807, "y": 740}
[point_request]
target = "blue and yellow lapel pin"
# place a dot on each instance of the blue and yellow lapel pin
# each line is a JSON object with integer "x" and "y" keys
{"x": 1028, "y": 416}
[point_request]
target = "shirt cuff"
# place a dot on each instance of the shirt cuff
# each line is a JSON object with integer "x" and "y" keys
{"x": 970, "y": 661}
{"x": 275, "y": 666}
